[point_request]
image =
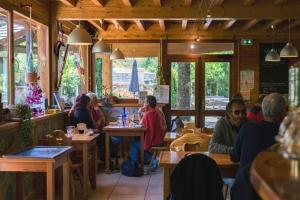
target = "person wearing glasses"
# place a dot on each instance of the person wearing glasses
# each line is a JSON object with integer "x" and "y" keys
{"x": 252, "y": 139}
{"x": 226, "y": 130}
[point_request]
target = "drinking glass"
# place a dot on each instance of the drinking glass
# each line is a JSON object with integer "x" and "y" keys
{"x": 70, "y": 130}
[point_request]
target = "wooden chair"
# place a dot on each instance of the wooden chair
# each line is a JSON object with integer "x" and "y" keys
{"x": 155, "y": 152}
{"x": 59, "y": 138}
{"x": 190, "y": 142}
{"x": 186, "y": 130}
{"x": 190, "y": 125}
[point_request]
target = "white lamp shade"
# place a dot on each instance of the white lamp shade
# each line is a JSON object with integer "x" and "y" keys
{"x": 272, "y": 56}
{"x": 288, "y": 51}
{"x": 101, "y": 47}
{"x": 117, "y": 54}
{"x": 79, "y": 36}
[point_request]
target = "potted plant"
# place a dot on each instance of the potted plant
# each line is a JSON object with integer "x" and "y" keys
{"x": 24, "y": 113}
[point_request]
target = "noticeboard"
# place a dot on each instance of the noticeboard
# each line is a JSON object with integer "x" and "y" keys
{"x": 273, "y": 76}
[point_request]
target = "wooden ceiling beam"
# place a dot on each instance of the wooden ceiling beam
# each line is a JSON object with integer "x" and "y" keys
{"x": 119, "y": 24}
{"x": 86, "y": 9}
{"x": 280, "y": 2}
{"x": 71, "y": 3}
{"x": 188, "y": 2}
{"x": 293, "y": 25}
{"x": 162, "y": 25}
{"x": 98, "y": 2}
{"x": 98, "y": 25}
{"x": 274, "y": 23}
{"x": 140, "y": 25}
{"x": 127, "y": 3}
{"x": 184, "y": 24}
{"x": 249, "y": 2}
{"x": 250, "y": 24}
{"x": 228, "y": 24}
{"x": 218, "y": 2}
{"x": 175, "y": 32}
{"x": 157, "y": 3}
{"x": 207, "y": 24}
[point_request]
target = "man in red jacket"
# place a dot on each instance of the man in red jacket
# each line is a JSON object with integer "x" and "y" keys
{"x": 153, "y": 121}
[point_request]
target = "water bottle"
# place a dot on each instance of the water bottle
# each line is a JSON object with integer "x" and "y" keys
{"x": 124, "y": 116}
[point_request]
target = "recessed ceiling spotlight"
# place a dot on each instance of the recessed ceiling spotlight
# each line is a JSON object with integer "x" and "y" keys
{"x": 197, "y": 39}
{"x": 192, "y": 46}
{"x": 208, "y": 14}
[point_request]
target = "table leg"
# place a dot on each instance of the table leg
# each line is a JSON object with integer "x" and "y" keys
{"x": 85, "y": 169}
{"x": 50, "y": 182}
{"x": 142, "y": 151}
{"x": 66, "y": 179}
{"x": 107, "y": 153}
{"x": 166, "y": 183}
{"x": 19, "y": 185}
{"x": 94, "y": 166}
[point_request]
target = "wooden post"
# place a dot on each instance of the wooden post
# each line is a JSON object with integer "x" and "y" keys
{"x": 11, "y": 70}
{"x": 106, "y": 73}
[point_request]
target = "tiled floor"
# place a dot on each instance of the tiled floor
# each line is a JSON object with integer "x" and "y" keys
{"x": 116, "y": 186}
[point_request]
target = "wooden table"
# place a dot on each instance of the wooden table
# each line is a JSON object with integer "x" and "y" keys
{"x": 114, "y": 130}
{"x": 169, "y": 160}
{"x": 84, "y": 143}
{"x": 275, "y": 177}
{"x": 40, "y": 163}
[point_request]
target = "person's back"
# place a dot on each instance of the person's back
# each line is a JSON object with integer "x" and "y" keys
{"x": 255, "y": 137}
{"x": 155, "y": 132}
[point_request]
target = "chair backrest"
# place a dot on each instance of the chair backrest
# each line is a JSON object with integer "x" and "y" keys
{"x": 190, "y": 142}
{"x": 59, "y": 138}
{"x": 190, "y": 125}
{"x": 196, "y": 177}
{"x": 185, "y": 130}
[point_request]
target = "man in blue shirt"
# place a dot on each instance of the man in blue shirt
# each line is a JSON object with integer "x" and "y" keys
{"x": 254, "y": 137}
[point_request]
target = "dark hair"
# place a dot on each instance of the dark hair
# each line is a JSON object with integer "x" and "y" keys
{"x": 238, "y": 96}
{"x": 234, "y": 101}
{"x": 260, "y": 98}
{"x": 151, "y": 100}
{"x": 82, "y": 101}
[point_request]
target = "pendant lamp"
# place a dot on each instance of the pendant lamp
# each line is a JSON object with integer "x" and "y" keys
{"x": 117, "y": 55}
{"x": 289, "y": 51}
{"x": 101, "y": 47}
{"x": 272, "y": 55}
{"x": 79, "y": 36}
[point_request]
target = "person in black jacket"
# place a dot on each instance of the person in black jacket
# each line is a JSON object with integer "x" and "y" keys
{"x": 82, "y": 112}
{"x": 253, "y": 138}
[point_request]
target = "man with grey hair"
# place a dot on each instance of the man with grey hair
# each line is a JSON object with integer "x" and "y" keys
{"x": 253, "y": 138}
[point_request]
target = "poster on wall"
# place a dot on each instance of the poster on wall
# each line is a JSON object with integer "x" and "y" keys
{"x": 246, "y": 83}
{"x": 273, "y": 76}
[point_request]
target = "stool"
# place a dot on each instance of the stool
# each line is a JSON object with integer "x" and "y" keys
{"x": 155, "y": 151}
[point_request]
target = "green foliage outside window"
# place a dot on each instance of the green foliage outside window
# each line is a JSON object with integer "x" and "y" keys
{"x": 99, "y": 77}
{"x": 217, "y": 79}
{"x": 70, "y": 78}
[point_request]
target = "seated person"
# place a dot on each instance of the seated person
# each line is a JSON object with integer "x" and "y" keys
{"x": 99, "y": 122}
{"x": 82, "y": 112}
{"x": 255, "y": 114}
{"x": 252, "y": 139}
{"x": 152, "y": 120}
{"x": 226, "y": 129}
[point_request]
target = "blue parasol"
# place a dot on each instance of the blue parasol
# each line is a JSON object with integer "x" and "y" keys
{"x": 134, "y": 80}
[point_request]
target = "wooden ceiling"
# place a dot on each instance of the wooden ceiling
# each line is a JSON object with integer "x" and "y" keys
{"x": 181, "y": 19}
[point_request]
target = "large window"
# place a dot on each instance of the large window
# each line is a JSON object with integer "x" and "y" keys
{"x": 183, "y": 85}
{"x": 72, "y": 75}
{"x": 122, "y": 74}
{"x": 4, "y": 55}
{"x": 216, "y": 85}
{"x": 21, "y": 29}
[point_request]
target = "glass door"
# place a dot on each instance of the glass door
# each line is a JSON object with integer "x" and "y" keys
{"x": 184, "y": 89}
{"x": 216, "y": 87}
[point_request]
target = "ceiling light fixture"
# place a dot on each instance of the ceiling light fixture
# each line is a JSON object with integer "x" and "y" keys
{"x": 117, "y": 54}
{"x": 272, "y": 55}
{"x": 79, "y": 36}
{"x": 289, "y": 51}
{"x": 101, "y": 47}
